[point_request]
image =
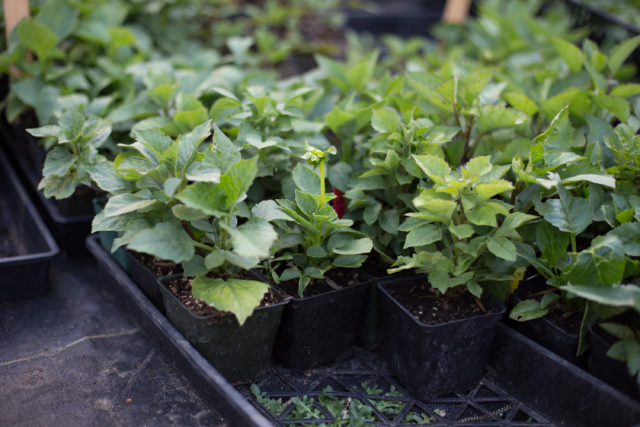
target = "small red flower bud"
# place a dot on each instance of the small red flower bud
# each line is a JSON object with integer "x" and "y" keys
{"x": 339, "y": 203}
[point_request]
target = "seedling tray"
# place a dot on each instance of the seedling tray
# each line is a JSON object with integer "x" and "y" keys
{"x": 69, "y": 230}
{"x": 524, "y": 384}
{"x": 26, "y": 246}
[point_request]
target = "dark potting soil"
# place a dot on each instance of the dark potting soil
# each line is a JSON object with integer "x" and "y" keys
{"x": 181, "y": 288}
{"x": 423, "y": 302}
{"x": 342, "y": 277}
{"x": 159, "y": 267}
{"x": 568, "y": 321}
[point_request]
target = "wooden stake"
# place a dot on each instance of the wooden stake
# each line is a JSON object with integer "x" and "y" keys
{"x": 14, "y": 12}
{"x": 456, "y": 11}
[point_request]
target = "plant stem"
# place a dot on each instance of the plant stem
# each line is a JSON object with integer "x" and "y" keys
{"x": 574, "y": 246}
{"x": 322, "y": 188}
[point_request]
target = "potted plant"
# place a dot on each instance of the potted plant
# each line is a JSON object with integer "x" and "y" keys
{"x": 187, "y": 206}
{"x": 438, "y": 327}
{"x": 315, "y": 261}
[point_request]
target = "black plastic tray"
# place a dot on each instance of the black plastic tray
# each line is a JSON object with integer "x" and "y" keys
{"x": 69, "y": 230}
{"x": 207, "y": 381}
{"x": 541, "y": 387}
{"x": 25, "y": 273}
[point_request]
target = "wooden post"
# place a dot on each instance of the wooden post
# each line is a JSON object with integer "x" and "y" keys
{"x": 456, "y": 11}
{"x": 14, "y": 12}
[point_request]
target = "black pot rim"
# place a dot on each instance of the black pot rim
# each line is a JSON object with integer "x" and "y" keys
{"x": 166, "y": 291}
{"x": 399, "y": 281}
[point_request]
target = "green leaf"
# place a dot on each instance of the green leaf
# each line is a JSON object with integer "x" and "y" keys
{"x": 237, "y": 296}
{"x": 206, "y": 197}
{"x": 106, "y": 179}
{"x": 127, "y": 202}
{"x": 434, "y": 167}
{"x": 527, "y": 310}
{"x": 269, "y": 211}
{"x": 345, "y": 244}
{"x": 188, "y": 144}
{"x": 462, "y": 231}
{"x": 385, "y": 120}
{"x": 236, "y": 182}
{"x": 568, "y": 213}
{"x": 605, "y": 180}
{"x": 316, "y": 251}
{"x": 569, "y": 52}
{"x": 615, "y": 295}
{"x": 202, "y": 172}
{"x": 552, "y": 243}
{"x": 223, "y": 152}
{"x": 165, "y": 241}
{"x": 306, "y": 180}
{"x": 502, "y": 248}
{"x": 371, "y": 213}
{"x": 186, "y": 213}
{"x": 389, "y": 221}
{"x": 495, "y": 117}
{"x": 619, "y": 107}
{"x": 41, "y": 97}
{"x": 423, "y": 235}
{"x": 522, "y": 102}
{"x": 629, "y": 235}
{"x": 486, "y": 190}
{"x": 58, "y": 162}
{"x": 58, "y": 16}
{"x": 625, "y": 90}
{"x": 37, "y": 37}
{"x": 621, "y": 52}
{"x": 474, "y": 288}
{"x": 253, "y": 239}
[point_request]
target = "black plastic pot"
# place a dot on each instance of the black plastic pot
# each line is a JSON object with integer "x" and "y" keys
{"x": 613, "y": 372}
{"x": 240, "y": 353}
{"x": 24, "y": 273}
{"x": 544, "y": 331}
{"x": 431, "y": 360}
{"x": 321, "y": 328}
{"x": 566, "y": 394}
{"x": 146, "y": 281}
{"x": 107, "y": 238}
{"x": 402, "y": 18}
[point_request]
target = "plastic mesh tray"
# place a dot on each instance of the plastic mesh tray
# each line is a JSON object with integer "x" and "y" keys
{"x": 486, "y": 404}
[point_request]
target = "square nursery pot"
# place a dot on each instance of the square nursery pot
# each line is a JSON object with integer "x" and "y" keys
{"x": 612, "y": 371}
{"x": 432, "y": 360}
{"x": 239, "y": 353}
{"x": 321, "y": 328}
{"x": 543, "y": 330}
{"x": 26, "y": 246}
{"x": 146, "y": 281}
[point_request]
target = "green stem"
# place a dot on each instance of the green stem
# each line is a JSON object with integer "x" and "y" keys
{"x": 574, "y": 246}
{"x": 322, "y": 188}
{"x": 203, "y": 246}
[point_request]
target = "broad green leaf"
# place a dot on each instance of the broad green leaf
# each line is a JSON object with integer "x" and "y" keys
{"x": 619, "y": 107}
{"x": 422, "y": 236}
{"x": 385, "y": 120}
{"x": 59, "y": 187}
{"x": 127, "y": 202}
{"x": 615, "y": 295}
{"x": 522, "y": 102}
{"x": 269, "y": 211}
{"x": 489, "y": 189}
{"x": 252, "y": 239}
{"x": 37, "y": 37}
{"x": 188, "y": 214}
{"x": 605, "y": 180}
{"x": 316, "y": 251}
{"x": 569, "y": 52}
{"x": 552, "y": 243}
{"x": 433, "y": 166}
{"x": 433, "y": 208}
{"x": 527, "y": 310}
{"x": 502, "y": 248}
{"x": 567, "y": 213}
{"x": 306, "y": 180}
{"x": 58, "y": 16}
{"x": 554, "y": 105}
{"x": 236, "y": 182}
{"x": 494, "y": 117}
{"x": 165, "y": 241}
{"x": 203, "y": 172}
{"x": 58, "y": 162}
{"x": 352, "y": 247}
{"x": 206, "y": 197}
{"x": 106, "y": 179}
{"x": 389, "y": 221}
{"x": 462, "y": 231}
{"x": 188, "y": 144}
{"x": 371, "y": 213}
{"x": 223, "y": 152}
{"x": 621, "y": 52}
{"x": 629, "y": 234}
{"x": 43, "y": 98}
{"x": 625, "y": 90}
{"x": 237, "y": 296}
{"x": 442, "y": 281}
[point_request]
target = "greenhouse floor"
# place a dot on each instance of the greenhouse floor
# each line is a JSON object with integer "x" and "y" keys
{"x": 74, "y": 359}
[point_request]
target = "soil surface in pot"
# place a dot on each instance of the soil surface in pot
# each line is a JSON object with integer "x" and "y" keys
{"x": 181, "y": 288}
{"x": 159, "y": 267}
{"x": 341, "y": 277}
{"x": 430, "y": 308}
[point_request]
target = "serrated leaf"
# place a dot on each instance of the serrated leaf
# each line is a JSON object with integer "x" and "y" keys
{"x": 306, "y": 180}
{"x": 389, "y": 221}
{"x": 237, "y": 296}
{"x": 569, "y": 52}
{"x": 567, "y": 213}
{"x": 236, "y": 182}
{"x": 269, "y": 211}
{"x": 127, "y": 202}
{"x": 422, "y": 236}
{"x": 617, "y": 106}
{"x": 253, "y": 239}
{"x": 206, "y": 197}
{"x": 433, "y": 166}
{"x": 385, "y": 120}
{"x": 462, "y": 231}
{"x": 621, "y": 52}
{"x": 495, "y": 117}
{"x": 502, "y": 248}
{"x": 486, "y": 190}
{"x": 165, "y": 241}
{"x": 58, "y": 162}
